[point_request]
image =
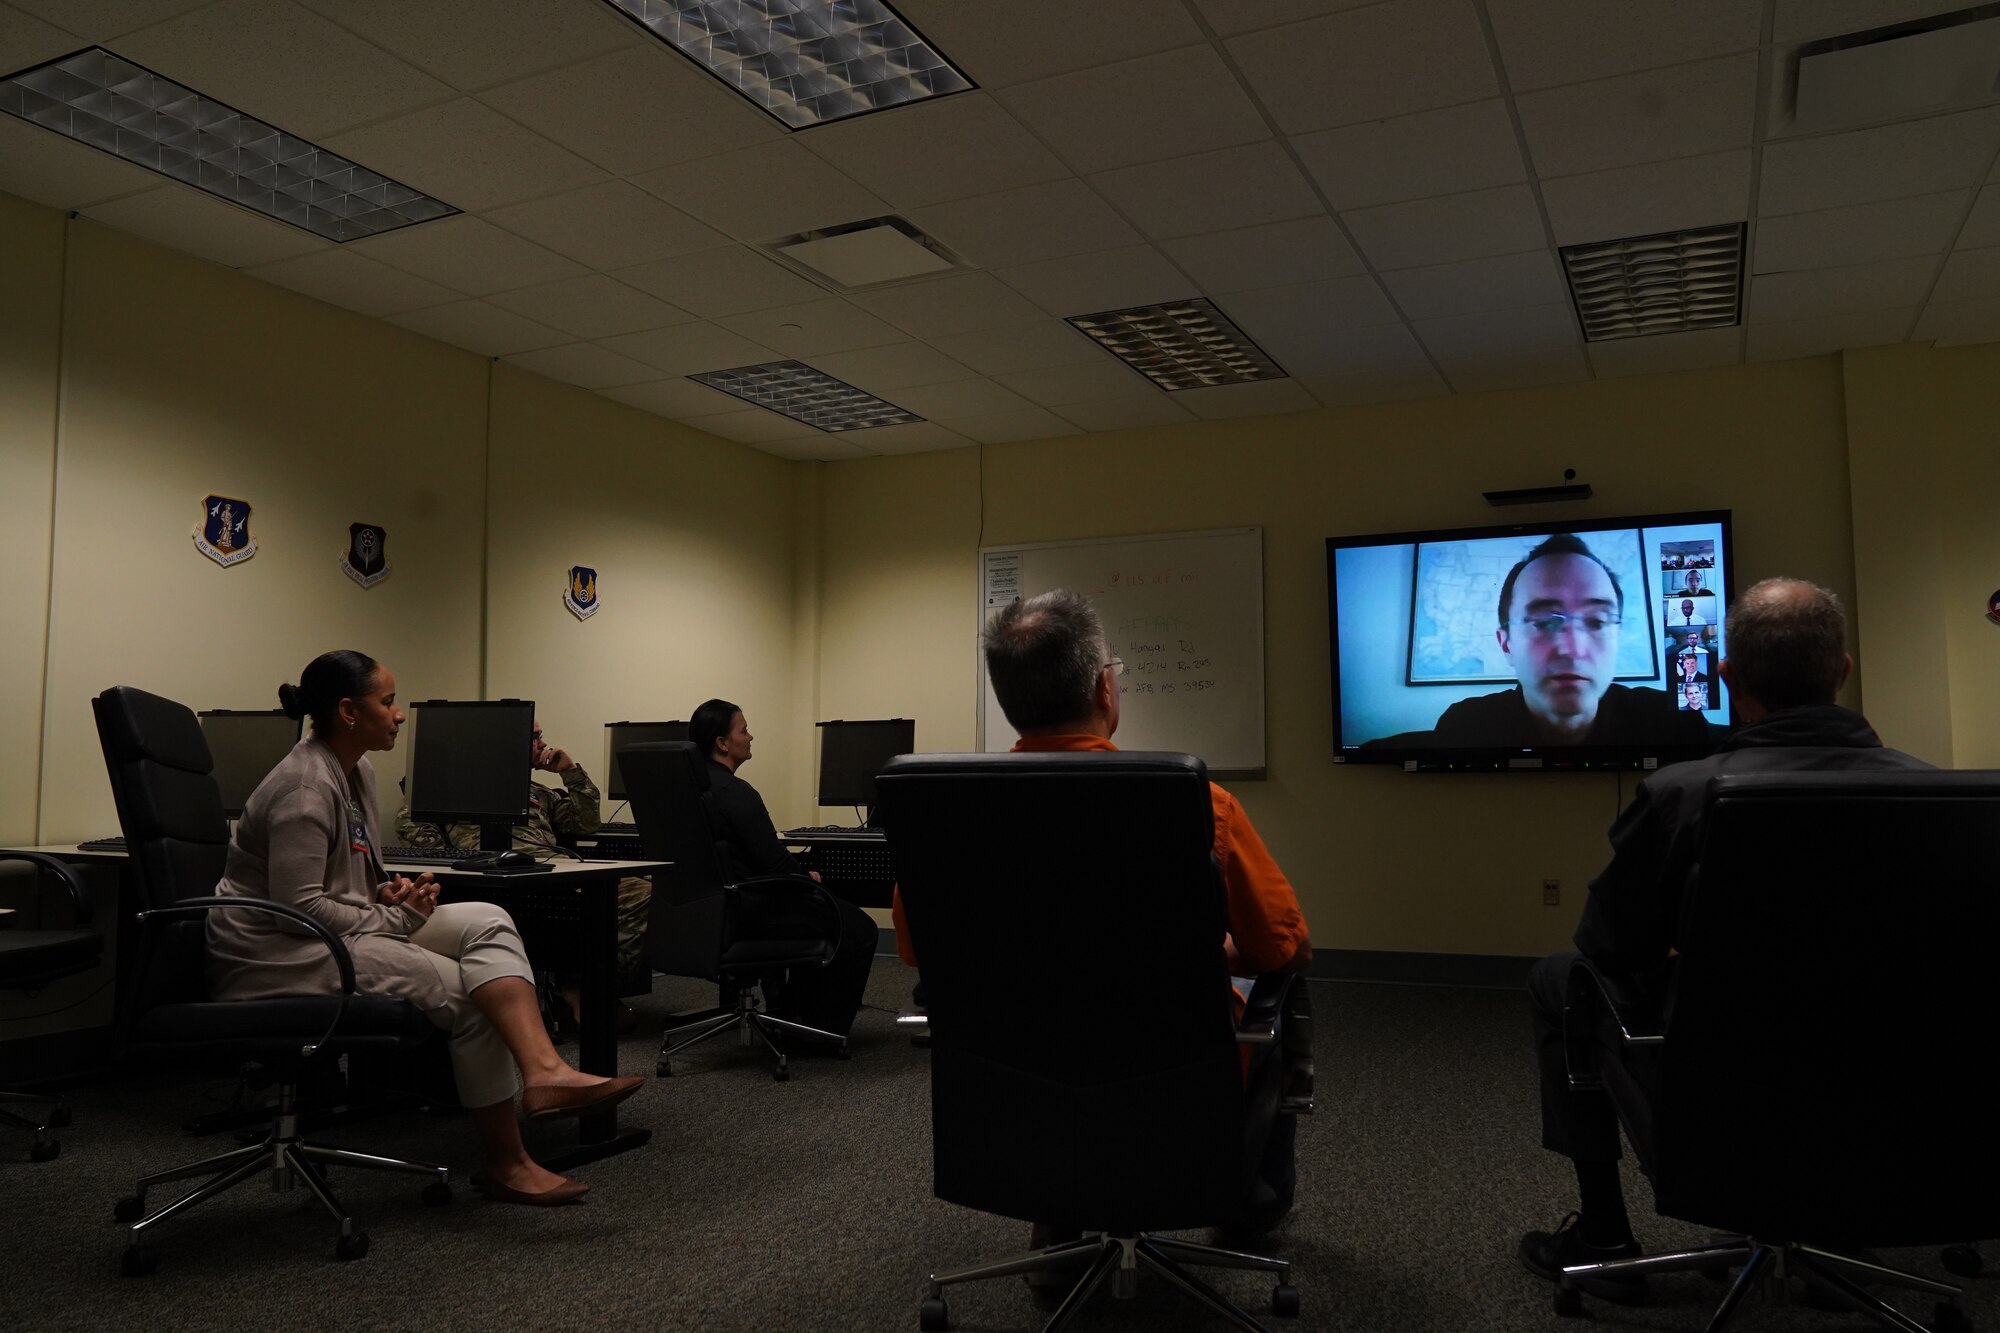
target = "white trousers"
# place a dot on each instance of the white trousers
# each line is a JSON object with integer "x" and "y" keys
{"x": 471, "y": 944}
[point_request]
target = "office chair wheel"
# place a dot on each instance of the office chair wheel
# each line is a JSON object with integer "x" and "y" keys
{"x": 349, "y": 1248}
{"x": 1285, "y": 1301}
{"x": 436, "y": 1194}
{"x": 45, "y": 1152}
{"x": 1948, "y": 1318}
{"x": 933, "y": 1316}
{"x": 1961, "y": 1260}
{"x": 129, "y": 1209}
{"x": 137, "y": 1261}
{"x": 843, "y": 1053}
{"x": 663, "y": 1070}
{"x": 59, "y": 1118}
{"x": 780, "y": 1074}
{"x": 1569, "y": 1302}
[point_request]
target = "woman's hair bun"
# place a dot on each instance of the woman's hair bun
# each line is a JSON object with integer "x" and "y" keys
{"x": 289, "y": 700}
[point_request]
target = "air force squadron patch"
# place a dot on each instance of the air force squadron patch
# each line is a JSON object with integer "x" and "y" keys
{"x": 366, "y": 560}
{"x": 581, "y": 595}
{"x": 224, "y": 534}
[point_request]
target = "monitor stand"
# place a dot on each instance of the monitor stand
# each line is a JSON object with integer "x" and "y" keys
{"x": 496, "y": 835}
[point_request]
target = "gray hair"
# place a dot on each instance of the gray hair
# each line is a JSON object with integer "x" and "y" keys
{"x": 1043, "y": 657}
{"x": 1787, "y": 643}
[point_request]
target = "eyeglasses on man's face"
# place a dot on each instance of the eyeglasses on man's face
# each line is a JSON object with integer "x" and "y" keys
{"x": 1116, "y": 666}
{"x": 1547, "y": 626}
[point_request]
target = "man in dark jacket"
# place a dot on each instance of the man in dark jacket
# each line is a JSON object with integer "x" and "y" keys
{"x": 826, "y": 997}
{"x": 1787, "y": 660}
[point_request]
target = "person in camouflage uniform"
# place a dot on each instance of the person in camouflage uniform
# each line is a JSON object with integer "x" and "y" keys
{"x": 554, "y": 813}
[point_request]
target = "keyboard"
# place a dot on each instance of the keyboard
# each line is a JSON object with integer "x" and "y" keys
{"x": 834, "y": 833}
{"x": 428, "y": 856}
{"x": 103, "y": 845}
{"x": 616, "y": 831}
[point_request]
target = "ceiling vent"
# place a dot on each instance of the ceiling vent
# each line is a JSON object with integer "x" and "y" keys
{"x": 1180, "y": 344}
{"x": 1646, "y": 285}
{"x": 857, "y": 256}
{"x": 1921, "y": 68}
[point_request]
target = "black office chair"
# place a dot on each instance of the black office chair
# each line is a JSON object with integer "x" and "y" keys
{"x": 1086, "y": 1069}
{"x": 31, "y": 959}
{"x": 741, "y": 935}
{"x": 171, "y": 813}
{"x": 1817, "y": 1086}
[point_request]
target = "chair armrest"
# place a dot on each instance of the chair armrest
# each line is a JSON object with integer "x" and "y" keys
{"x": 1278, "y": 1011}
{"x": 1261, "y": 1010}
{"x": 767, "y": 888}
{"x": 342, "y": 960}
{"x": 1636, "y": 1013}
{"x": 65, "y": 874}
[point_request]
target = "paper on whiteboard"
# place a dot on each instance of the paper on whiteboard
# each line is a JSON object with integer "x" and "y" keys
{"x": 1003, "y": 578}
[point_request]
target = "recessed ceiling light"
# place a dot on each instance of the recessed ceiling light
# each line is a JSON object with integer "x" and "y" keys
{"x": 804, "y": 61}
{"x": 1181, "y": 344}
{"x": 110, "y": 103}
{"x": 796, "y": 390}
{"x": 1646, "y": 285}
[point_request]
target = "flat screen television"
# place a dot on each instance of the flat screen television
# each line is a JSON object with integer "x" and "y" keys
{"x": 1567, "y": 644}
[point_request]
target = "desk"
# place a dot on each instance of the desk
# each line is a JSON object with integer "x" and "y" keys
{"x": 853, "y": 864}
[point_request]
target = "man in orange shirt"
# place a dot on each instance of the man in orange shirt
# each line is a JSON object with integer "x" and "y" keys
{"x": 1057, "y": 681}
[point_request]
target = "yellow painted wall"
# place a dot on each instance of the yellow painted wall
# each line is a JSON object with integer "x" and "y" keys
{"x": 1968, "y": 417}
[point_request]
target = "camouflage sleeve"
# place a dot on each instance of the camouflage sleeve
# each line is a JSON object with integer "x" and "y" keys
{"x": 409, "y": 833}
{"x": 573, "y": 811}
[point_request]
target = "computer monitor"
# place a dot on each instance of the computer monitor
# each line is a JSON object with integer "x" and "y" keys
{"x": 852, "y": 753}
{"x": 245, "y": 747}
{"x": 469, "y": 765}
{"x": 618, "y": 735}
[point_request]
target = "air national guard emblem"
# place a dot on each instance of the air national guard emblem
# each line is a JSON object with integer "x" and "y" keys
{"x": 224, "y": 534}
{"x": 581, "y": 595}
{"x": 366, "y": 560}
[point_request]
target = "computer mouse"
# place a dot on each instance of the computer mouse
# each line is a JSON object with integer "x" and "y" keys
{"x": 514, "y": 858}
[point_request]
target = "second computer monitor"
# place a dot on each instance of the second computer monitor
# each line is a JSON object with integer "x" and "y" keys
{"x": 245, "y": 746}
{"x": 469, "y": 764}
{"x": 618, "y": 735}
{"x": 851, "y": 754}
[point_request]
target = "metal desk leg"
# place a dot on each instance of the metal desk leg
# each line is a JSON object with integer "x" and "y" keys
{"x": 598, "y": 1134}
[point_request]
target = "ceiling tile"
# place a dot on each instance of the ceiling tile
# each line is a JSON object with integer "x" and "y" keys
{"x": 479, "y": 327}
{"x": 1787, "y": 340}
{"x": 1265, "y": 398}
{"x": 1165, "y": 105}
{"x": 1547, "y": 42}
{"x": 1456, "y": 226}
{"x": 355, "y": 282}
{"x": 504, "y": 40}
{"x": 592, "y": 306}
{"x": 1108, "y": 280}
{"x": 1100, "y": 381}
{"x": 1891, "y": 284}
{"x": 915, "y": 437}
{"x": 1663, "y": 353}
{"x": 1887, "y": 162}
{"x": 1982, "y": 225}
{"x": 1507, "y": 350}
{"x": 1278, "y": 254}
{"x": 998, "y": 45}
{"x": 753, "y": 425}
{"x": 818, "y": 447}
{"x": 1033, "y": 423}
{"x": 1043, "y": 346}
{"x": 1229, "y": 17}
{"x": 1468, "y": 147}
{"x": 1355, "y": 388}
{"x": 1477, "y": 286}
{"x": 1707, "y": 107}
{"x": 1301, "y": 327}
{"x": 721, "y": 282}
{"x": 1969, "y": 275}
{"x": 284, "y": 65}
{"x": 1232, "y": 187}
{"x": 26, "y": 41}
{"x": 1047, "y": 221}
{"x": 881, "y": 370}
{"x": 691, "y": 349}
{"x": 607, "y": 226}
{"x": 1953, "y": 323}
{"x": 52, "y": 169}
{"x": 1127, "y": 413}
{"x": 635, "y": 109}
{"x": 469, "y": 255}
{"x": 586, "y": 365}
{"x": 1368, "y": 64}
{"x": 1924, "y": 225}
{"x": 200, "y": 224}
{"x": 934, "y": 151}
{"x": 678, "y": 397}
{"x": 1657, "y": 197}
{"x": 1800, "y": 19}
{"x": 959, "y": 398}
{"x": 763, "y": 192}
{"x": 826, "y": 325}
{"x": 465, "y": 153}
{"x": 954, "y": 303}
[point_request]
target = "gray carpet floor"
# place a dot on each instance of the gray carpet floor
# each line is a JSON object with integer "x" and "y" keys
{"x": 807, "y": 1205}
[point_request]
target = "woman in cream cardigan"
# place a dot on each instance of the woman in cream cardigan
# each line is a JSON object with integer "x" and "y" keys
{"x": 308, "y": 838}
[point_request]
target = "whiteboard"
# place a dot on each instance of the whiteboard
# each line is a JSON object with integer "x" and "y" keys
{"x": 1186, "y": 613}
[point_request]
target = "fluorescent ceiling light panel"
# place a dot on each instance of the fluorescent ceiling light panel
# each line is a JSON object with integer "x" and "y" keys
{"x": 1181, "y": 345}
{"x": 796, "y": 390}
{"x": 1646, "y": 285}
{"x": 805, "y": 61}
{"x": 866, "y": 257}
{"x": 108, "y": 102}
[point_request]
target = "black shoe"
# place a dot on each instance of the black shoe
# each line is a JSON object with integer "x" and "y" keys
{"x": 1547, "y": 1253}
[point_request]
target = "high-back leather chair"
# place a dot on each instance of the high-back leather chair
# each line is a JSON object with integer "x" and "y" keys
{"x": 32, "y": 957}
{"x": 1819, "y": 1086}
{"x": 170, "y": 811}
{"x": 1086, "y": 1068}
{"x": 701, "y": 925}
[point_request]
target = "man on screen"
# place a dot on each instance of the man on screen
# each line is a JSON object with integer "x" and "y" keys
{"x": 1559, "y": 616}
{"x": 1688, "y": 619}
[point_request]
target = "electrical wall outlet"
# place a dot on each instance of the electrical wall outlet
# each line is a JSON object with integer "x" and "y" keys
{"x": 1551, "y": 893}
